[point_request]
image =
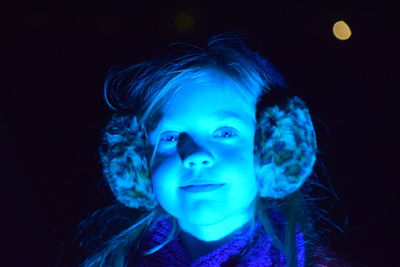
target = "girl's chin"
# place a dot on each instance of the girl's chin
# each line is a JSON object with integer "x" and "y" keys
{"x": 203, "y": 211}
{"x": 213, "y": 226}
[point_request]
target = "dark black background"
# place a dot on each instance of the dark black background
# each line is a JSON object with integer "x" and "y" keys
{"x": 54, "y": 60}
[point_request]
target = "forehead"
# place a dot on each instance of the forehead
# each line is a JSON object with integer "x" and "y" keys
{"x": 213, "y": 95}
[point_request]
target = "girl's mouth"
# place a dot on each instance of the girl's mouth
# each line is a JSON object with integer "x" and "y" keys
{"x": 201, "y": 188}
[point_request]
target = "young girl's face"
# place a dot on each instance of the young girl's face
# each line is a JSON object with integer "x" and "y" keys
{"x": 203, "y": 169}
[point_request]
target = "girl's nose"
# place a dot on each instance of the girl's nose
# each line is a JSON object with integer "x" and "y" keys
{"x": 193, "y": 156}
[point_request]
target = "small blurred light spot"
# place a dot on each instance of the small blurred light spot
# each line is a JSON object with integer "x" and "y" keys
{"x": 184, "y": 22}
{"x": 341, "y": 30}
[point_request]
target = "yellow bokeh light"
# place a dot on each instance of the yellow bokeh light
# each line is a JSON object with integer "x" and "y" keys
{"x": 184, "y": 22}
{"x": 341, "y": 30}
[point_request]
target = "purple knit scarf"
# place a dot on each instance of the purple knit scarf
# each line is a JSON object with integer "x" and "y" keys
{"x": 261, "y": 253}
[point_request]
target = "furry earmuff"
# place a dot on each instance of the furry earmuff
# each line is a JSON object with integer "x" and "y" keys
{"x": 125, "y": 166}
{"x": 285, "y": 150}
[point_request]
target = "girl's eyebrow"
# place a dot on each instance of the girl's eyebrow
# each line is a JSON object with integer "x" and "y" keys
{"x": 214, "y": 117}
{"x": 227, "y": 114}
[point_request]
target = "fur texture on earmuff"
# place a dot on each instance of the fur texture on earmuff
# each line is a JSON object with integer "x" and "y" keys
{"x": 125, "y": 164}
{"x": 285, "y": 148}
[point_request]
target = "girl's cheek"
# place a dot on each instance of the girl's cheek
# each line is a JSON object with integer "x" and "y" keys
{"x": 159, "y": 159}
{"x": 245, "y": 148}
{"x": 164, "y": 163}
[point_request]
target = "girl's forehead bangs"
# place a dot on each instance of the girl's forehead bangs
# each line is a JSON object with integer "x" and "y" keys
{"x": 248, "y": 82}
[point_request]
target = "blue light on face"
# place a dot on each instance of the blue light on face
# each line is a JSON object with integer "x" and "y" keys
{"x": 203, "y": 170}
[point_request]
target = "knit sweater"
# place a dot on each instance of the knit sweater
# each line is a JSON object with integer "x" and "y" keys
{"x": 261, "y": 253}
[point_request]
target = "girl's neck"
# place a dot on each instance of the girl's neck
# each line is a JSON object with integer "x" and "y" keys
{"x": 196, "y": 248}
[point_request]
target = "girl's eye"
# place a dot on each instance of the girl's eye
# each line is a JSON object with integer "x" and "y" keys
{"x": 225, "y": 132}
{"x": 169, "y": 137}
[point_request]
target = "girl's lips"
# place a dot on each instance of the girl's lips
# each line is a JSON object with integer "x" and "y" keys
{"x": 201, "y": 188}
